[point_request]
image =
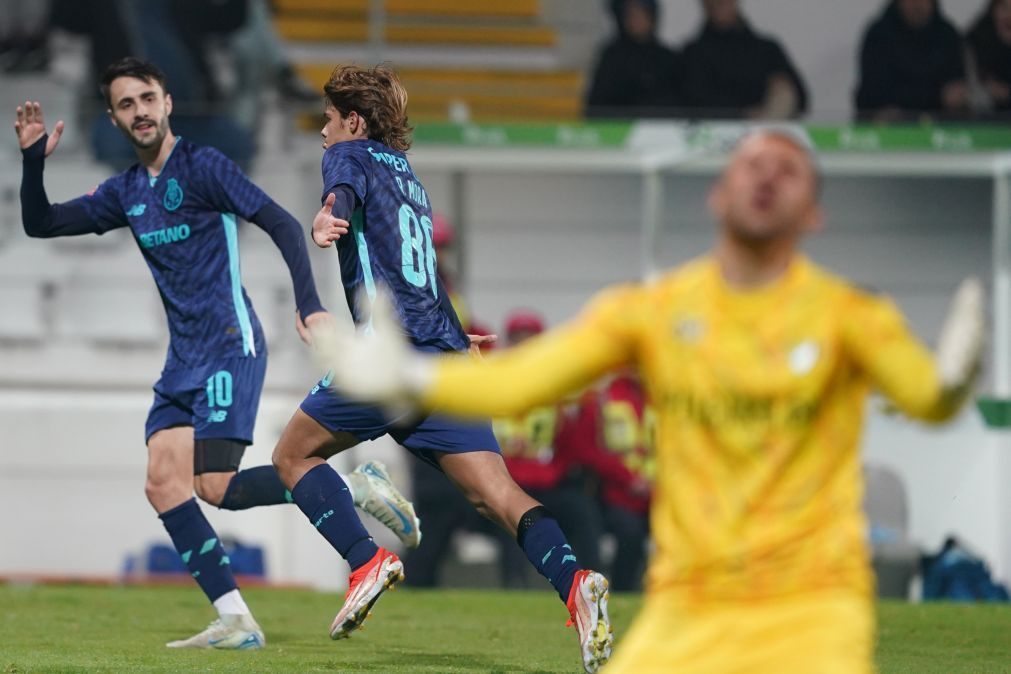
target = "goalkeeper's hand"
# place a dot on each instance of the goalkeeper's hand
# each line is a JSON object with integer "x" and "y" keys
{"x": 377, "y": 365}
{"x": 960, "y": 346}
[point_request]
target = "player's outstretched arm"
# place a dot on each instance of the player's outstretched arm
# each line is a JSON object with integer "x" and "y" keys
{"x": 40, "y": 218}
{"x": 923, "y": 385}
{"x": 287, "y": 235}
{"x": 382, "y": 367}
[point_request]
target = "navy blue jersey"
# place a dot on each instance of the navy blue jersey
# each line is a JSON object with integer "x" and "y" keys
{"x": 391, "y": 242}
{"x": 185, "y": 223}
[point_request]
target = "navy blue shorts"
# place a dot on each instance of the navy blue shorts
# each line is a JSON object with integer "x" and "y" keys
{"x": 218, "y": 399}
{"x": 424, "y": 438}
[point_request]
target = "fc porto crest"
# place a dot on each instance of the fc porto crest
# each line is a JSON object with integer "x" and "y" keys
{"x": 173, "y": 195}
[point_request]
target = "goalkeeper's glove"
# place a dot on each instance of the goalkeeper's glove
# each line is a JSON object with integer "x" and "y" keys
{"x": 961, "y": 342}
{"x": 377, "y": 365}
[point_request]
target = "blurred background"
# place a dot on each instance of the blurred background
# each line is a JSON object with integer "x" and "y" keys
{"x": 565, "y": 145}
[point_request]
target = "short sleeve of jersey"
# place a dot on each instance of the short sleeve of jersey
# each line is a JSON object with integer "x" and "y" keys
{"x": 226, "y": 187}
{"x": 104, "y": 207}
{"x": 346, "y": 164}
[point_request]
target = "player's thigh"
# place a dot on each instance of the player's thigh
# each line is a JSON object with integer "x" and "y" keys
{"x": 304, "y": 444}
{"x": 169, "y": 467}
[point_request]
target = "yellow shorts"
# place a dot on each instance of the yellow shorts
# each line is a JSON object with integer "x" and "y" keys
{"x": 823, "y": 633}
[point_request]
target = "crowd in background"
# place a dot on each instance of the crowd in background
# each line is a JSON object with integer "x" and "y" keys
{"x": 914, "y": 63}
{"x": 219, "y": 56}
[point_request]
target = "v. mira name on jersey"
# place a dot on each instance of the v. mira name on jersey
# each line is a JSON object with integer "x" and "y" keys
{"x": 412, "y": 190}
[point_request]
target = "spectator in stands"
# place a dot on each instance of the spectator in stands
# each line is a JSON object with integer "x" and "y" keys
{"x": 176, "y": 35}
{"x": 911, "y": 65}
{"x": 610, "y": 432}
{"x": 636, "y": 76}
{"x": 262, "y": 64}
{"x": 732, "y": 71}
{"x": 990, "y": 47}
{"x": 24, "y": 32}
{"x": 529, "y": 446}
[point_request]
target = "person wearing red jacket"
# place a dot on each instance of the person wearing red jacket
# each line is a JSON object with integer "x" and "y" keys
{"x": 535, "y": 460}
{"x": 611, "y": 434}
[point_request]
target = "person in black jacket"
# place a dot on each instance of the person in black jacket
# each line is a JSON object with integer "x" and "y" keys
{"x": 911, "y": 65}
{"x": 732, "y": 71}
{"x": 176, "y": 35}
{"x": 990, "y": 46}
{"x": 636, "y": 76}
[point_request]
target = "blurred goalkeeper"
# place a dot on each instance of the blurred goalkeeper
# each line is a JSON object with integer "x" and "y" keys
{"x": 758, "y": 363}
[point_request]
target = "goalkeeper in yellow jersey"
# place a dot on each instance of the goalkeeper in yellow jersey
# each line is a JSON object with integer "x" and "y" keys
{"x": 758, "y": 363}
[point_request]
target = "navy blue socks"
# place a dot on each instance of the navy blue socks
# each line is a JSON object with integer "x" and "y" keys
{"x": 325, "y": 499}
{"x": 253, "y": 487}
{"x": 200, "y": 548}
{"x": 544, "y": 543}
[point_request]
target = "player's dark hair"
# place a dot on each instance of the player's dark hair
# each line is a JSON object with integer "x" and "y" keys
{"x": 377, "y": 95}
{"x": 129, "y": 66}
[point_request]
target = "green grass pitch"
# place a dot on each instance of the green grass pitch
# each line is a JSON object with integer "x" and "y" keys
{"x": 101, "y": 629}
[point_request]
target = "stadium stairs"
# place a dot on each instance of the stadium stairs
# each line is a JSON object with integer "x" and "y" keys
{"x": 513, "y": 71}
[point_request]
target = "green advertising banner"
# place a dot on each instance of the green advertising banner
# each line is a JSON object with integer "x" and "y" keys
{"x": 617, "y": 135}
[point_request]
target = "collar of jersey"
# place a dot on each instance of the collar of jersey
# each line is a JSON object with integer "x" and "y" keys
{"x": 152, "y": 180}
{"x": 764, "y": 293}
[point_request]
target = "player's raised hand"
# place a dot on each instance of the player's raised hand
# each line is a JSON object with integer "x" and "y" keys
{"x": 377, "y": 366}
{"x": 477, "y": 341}
{"x": 325, "y": 227}
{"x": 320, "y": 320}
{"x": 30, "y": 127}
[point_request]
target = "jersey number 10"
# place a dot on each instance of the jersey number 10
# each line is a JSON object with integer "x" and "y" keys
{"x": 417, "y": 253}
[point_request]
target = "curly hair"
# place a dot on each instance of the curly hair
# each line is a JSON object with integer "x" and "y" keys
{"x": 377, "y": 95}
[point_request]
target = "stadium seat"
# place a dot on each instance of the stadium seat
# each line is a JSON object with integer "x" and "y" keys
{"x": 22, "y": 314}
{"x": 895, "y": 558}
{"x": 109, "y": 312}
{"x": 489, "y": 95}
{"x": 522, "y": 9}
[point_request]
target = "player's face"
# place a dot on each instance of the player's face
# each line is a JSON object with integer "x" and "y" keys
{"x": 1002, "y": 19}
{"x": 768, "y": 192}
{"x": 338, "y": 129}
{"x": 722, "y": 13}
{"x": 917, "y": 13}
{"x": 141, "y": 110}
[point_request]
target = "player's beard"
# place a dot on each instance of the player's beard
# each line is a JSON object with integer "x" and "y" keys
{"x": 160, "y": 131}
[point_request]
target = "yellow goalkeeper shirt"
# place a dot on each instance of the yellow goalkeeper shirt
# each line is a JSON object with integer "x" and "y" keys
{"x": 760, "y": 400}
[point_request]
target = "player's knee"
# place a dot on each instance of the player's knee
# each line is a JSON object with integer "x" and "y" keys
{"x": 282, "y": 460}
{"x": 165, "y": 492}
{"x": 211, "y": 487}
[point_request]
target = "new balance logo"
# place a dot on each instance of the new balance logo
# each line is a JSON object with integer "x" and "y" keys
{"x": 137, "y": 210}
{"x": 217, "y": 416}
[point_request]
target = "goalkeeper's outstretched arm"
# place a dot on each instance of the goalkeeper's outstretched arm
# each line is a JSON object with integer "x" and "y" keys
{"x": 921, "y": 384}
{"x": 383, "y": 368}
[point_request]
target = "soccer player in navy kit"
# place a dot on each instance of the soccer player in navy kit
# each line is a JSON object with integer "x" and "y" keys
{"x": 368, "y": 182}
{"x": 182, "y": 203}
